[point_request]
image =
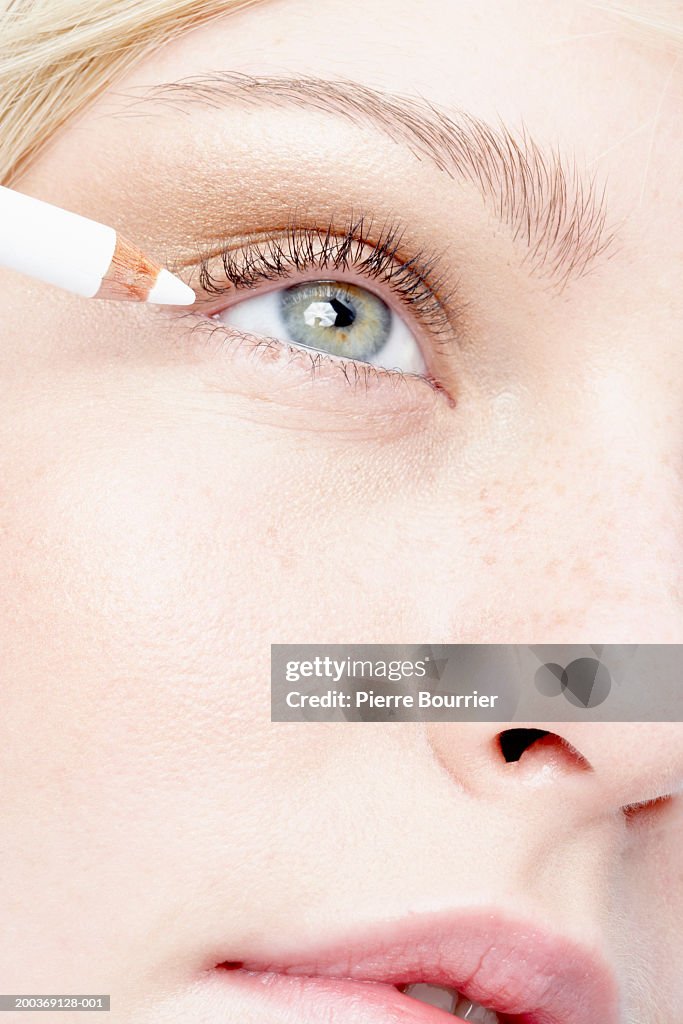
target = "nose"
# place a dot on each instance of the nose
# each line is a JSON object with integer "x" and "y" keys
{"x": 598, "y": 767}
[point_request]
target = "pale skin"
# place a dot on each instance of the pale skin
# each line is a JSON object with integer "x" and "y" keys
{"x": 168, "y": 510}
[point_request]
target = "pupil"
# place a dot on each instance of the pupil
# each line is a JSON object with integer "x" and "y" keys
{"x": 345, "y": 315}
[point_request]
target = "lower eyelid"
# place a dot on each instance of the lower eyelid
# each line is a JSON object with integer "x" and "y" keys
{"x": 237, "y": 360}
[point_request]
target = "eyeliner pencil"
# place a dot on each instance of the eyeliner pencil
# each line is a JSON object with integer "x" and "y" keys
{"x": 80, "y": 255}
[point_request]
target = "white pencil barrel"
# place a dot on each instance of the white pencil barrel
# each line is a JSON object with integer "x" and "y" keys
{"x": 56, "y": 246}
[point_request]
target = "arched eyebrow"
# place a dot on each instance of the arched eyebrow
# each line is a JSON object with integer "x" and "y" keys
{"x": 557, "y": 213}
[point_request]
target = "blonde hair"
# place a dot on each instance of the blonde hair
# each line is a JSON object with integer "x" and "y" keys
{"x": 661, "y": 24}
{"x": 58, "y": 55}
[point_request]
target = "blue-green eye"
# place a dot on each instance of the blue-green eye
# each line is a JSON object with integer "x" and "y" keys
{"x": 333, "y": 317}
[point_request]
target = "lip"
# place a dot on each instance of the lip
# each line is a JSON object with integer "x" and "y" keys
{"x": 510, "y": 966}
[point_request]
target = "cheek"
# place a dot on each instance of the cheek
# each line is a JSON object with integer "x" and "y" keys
{"x": 153, "y": 550}
{"x": 135, "y": 623}
{"x": 155, "y": 547}
{"x": 655, "y": 903}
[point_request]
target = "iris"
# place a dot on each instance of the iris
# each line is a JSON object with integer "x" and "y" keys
{"x": 336, "y": 317}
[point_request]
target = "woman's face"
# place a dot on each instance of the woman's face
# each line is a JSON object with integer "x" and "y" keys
{"x": 175, "y": 496}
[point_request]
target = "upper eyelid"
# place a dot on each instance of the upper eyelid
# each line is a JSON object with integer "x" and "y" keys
{"x": 359, "y": 246}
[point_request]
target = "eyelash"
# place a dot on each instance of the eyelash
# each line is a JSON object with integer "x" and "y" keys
{"x": 414, "y": 280}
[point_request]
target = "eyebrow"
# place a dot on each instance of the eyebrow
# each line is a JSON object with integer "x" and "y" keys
{"x": 556, "y": 212}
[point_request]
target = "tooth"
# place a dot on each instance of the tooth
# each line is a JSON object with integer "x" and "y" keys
{"x": 434, "y": 995}
{"x": 474, "y": 1013}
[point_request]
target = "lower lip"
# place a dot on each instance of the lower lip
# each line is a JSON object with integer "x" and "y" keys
{"x": 288, "y": 999}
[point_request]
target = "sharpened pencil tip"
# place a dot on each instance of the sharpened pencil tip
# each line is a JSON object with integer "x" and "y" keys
{"x": 169, "y": 290}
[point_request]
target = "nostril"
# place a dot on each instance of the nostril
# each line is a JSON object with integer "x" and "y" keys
{"x": 514, "y": 742}
{"x": 534, "y": 747}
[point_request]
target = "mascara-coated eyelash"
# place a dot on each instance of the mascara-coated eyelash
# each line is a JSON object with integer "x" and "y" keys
{"x": 298, "y": 248}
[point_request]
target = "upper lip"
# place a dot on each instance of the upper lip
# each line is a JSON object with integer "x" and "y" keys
{"x": 508, "y": 965}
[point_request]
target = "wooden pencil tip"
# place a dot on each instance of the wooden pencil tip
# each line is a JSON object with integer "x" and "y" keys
{"x": 133, "y": 277}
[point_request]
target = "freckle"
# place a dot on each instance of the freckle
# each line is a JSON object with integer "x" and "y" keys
{"x": 490, "y": 559}
{"x": 583, "y": 569}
